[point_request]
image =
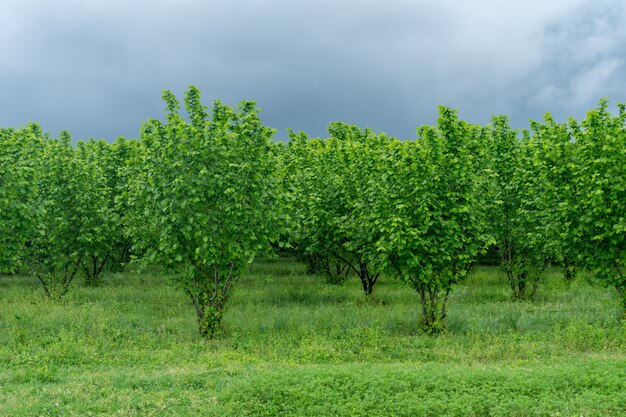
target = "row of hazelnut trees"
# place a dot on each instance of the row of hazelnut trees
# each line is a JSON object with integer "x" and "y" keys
{"x": 58, "y": 211}
{"x": 206, "y": 194}
{"x": 365, "y": 203}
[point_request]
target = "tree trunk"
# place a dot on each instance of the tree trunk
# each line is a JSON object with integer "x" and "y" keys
{"x": 56, "y": 284}
{"x": 93, "y": 271}
{"x": 569, "y": 270}
{"x": 367, "y": 279}
{"x": 434, "y": 313}
{"x": 210, "y": 321}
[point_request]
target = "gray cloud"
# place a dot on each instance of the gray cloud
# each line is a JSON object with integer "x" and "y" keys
{"x": 97, "y": 68}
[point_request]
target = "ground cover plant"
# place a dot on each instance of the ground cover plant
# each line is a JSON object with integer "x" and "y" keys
{"x": 296, "y": 345}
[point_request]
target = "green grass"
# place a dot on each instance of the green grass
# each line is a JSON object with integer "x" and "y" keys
{"x": 296, "y": 346}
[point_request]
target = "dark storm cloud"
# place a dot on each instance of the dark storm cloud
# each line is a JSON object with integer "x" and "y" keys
{"x": 583, "y": 60}
{"x": 97, "y": 68}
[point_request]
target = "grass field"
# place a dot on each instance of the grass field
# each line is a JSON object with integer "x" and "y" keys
{"x": 296, "y": 346}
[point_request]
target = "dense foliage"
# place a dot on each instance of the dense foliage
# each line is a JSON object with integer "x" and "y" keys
{"x": 376, "y": 204}
{"x": 597, "y": 226}
{"x": 513, "y": 212}
{"x": 201, "y": 198}
{"x": 327, "y": 180}
{"x": 205, "y": 193}
{"x": 19, "y": 155}
{"x": 438, "y": 200}
{"x": 73, "y": 219}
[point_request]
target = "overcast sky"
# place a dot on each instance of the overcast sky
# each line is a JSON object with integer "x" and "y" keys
{"x": 97, "y": 68}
